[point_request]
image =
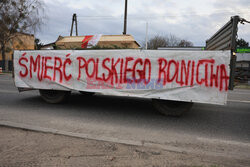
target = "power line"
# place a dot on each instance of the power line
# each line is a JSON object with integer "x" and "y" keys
{"x": 136, "y": 17}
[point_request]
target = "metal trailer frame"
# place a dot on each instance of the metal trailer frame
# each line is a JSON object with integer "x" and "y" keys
{"x": 225, "y": 39}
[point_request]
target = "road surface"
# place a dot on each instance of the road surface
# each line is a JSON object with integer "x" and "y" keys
{"x": 206, "y": 129}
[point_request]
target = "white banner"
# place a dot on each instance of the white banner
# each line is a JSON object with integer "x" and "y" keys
{"x": 197, "y": 76}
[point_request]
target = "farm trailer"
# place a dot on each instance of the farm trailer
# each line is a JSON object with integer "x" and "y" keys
{"x": 174, "y": 80}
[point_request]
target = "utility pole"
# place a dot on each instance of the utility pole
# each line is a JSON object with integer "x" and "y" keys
{"x": 146, "y": 36}
{"x": 125, "y": 18}
{"x": 74, "y": 20}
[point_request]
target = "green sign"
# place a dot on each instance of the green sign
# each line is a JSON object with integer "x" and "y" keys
{"x": 243, "y": 50}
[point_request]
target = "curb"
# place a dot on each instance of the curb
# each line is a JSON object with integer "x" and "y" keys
{"x": 90, "y": 137}
{"x": 114, "y": 140}
{"x": 65, "y": 133}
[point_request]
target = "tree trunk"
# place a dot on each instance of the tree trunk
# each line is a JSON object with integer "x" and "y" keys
{"x": 3, "y": 56}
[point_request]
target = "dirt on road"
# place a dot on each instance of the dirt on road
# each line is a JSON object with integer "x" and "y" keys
{"x": 19, "y": 148}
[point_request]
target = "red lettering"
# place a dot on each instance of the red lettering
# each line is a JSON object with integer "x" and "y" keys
{"x": 25, "y": 73}
{"x": 192, "y": 75}
{"x": 114, "y": 72}
{"x": 176, "y": 64}
{"x": 200, "y": 62}
{"x": 46, "y": 67}
{"x": 214, "y": 77}
{"x": 126, "y": 70}
{"x": 34, "y": 64}
{"x": 80, "y": 59}
{"x": 162, "y": 70}
{"x": 128, "y": 59}
{"x": 223, "y": 77}
{"x": 147, "y": 62}
{"x": 206, "y": 75}
{"x": 96, "y": 69}
{"x": 140, "y": 72}
{"x": 108, "y": 69}
{"x": 185, "y": 70}
{"x": 40, "y": 76}
{"x": 121, "y": 67}
{"x": 57, "y": 68}
{"x": 67, "y": 77}
{"x": 87, "y": 67}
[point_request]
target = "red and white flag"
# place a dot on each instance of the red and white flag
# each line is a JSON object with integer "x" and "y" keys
{"x": 90, "y": 40}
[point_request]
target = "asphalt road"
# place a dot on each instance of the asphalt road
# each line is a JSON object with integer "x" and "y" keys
{"x": 224, "y": 130}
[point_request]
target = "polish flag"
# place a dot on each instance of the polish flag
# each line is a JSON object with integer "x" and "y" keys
{"x": 90, "y": 40}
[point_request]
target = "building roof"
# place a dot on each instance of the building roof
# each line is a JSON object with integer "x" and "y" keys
{"x": 49, "y": 44}
{"x": 124, "y": 38}
{"x": 243, "y": 56}
{"x": 191, "y": 48}
{"x": 23, "y": 33}
{"x": 104, "y": 38}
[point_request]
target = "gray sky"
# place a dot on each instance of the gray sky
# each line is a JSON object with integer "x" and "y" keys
{"x": 194, "y": 20}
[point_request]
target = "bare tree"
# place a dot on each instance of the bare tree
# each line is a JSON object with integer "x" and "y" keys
{"x": 168, "y": 41}
{"x": 172, "y": 40}
{"x": 18, "y": 16}
{"x": 185, "y": 43}
{"x": 157, "y": 41}
{"x": 242, "y": 43}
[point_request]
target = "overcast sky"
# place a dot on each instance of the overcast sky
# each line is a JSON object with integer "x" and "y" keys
{"x": 194, "y": 20}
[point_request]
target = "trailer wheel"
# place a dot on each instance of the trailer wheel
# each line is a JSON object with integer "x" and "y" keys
{"x": 172, "y": 108}
{"x": 54, "y": 96}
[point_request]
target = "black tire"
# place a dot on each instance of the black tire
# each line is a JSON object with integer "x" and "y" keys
{"x": 54, "y": 96}
{"x": 172, "y": 108}
{"x": 87, "y": 93}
